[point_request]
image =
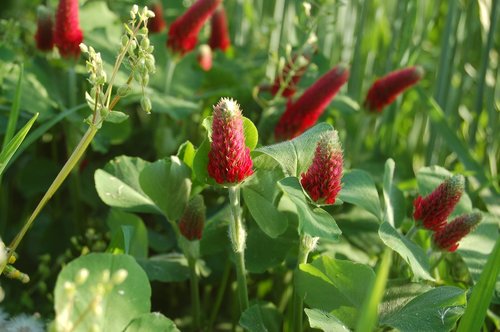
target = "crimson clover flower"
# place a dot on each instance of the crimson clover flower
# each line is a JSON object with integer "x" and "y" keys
{"x": 447, "y": 237}
{"x": 67, "y": 33}
{"x": 229, "y": 159}
{"x": 322, "y": 179}
{"x": 183, "y": 33}
{"x": 193, "y": 219}
{"x": 386, "y": 89}
{"x": 303, "y": 113}
{"x": 44, "y": 36}
{"x": 157, "y": 23}
{"x": 433, "y": 210}
{"x": 219, "y": 34}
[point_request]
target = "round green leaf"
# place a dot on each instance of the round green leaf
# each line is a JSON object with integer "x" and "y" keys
{"x": 118, "y": 185}
{"x": 168, "y": 183}
{"x": 124, "y": 301}
{"x": 262, "y": 316}
{"x": 359, "y": 189}
{"x": 150, "y": 322}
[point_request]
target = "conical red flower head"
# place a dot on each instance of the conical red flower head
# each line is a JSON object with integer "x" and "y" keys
{"x": 67, "y": 33}
{"x": 300, "y": 64}
{"x": 193, "y": 219}
{"x": 447, "y": 238}
{"x": 44, "y": 33}
{"x": 386, "y": 89}
{"x": 204, "y": 57}
{"x": 433, "y": 210}
{"x": 183, "y": 33}
{"x": 304, "y": 113}
{"x": 322, "y": 179}
{"x": 229, "y": 159}
{"x": 157, "y": 24}
{"x": 219, "y": 34}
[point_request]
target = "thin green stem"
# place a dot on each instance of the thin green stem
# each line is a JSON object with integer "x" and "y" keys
{"x": 356, "y": 77}
{"x": 298, "y": 304}
{"x": 238, "y": 238}
{"x": 438, "y": 260}
{"x": 411, "y": 233}
{"x": 274, "y": 42}
{"x": 63, "y": 174}
{"x": 195, "y": 293}
{"x": 485, "y": 57}
{"x": 169, "y": 74}
{"x": 220, "y": 295}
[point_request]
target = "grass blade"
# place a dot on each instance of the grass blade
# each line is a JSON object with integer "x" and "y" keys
{"x": 368, "y": 320}
{"x": 14, "y": 144}
{"x": 14, "y": 111}
{"x": 480, "y": 299}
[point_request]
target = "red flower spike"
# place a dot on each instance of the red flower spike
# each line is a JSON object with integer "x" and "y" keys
{"x": 67, "y": 33}
{"x": 229, "y": 159}
{"x": 219, "y": 34}
{"x": 433, "y": 210}
{"x": 157, "y": 24}
{"x": 300, "y": 63}
{"x": 303, "y": 113}
{"x": 447, "y": 238}
{"x": 183, "y": 33}
{"x": 44, "y": 36}
{"x": 386, "y": 89}
{"x": 205, "y": 57}
{"x": 193, "y": 219}
{"x": 322, "y": 179}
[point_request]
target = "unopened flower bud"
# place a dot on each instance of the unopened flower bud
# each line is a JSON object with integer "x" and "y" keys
{"x": 322, "y": 181}
{"x": 193, "y": 219}
{"x": 433, "y": 210}
{"x": 447, "y": 237}
{"x": 146, "y": 104}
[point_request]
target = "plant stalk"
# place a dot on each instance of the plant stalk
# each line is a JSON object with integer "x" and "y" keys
{"x": 307, "y": 243}
{"x": 238, "y": 238}
{"x": 63, "y": 174}
{"x": 195, "y": 293}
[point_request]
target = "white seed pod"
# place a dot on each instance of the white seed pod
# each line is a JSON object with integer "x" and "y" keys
{"x": 146, "y": 104}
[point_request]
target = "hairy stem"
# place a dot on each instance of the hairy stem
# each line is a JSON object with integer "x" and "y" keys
{"x": 195, "y": 293}
{"x": 238, "y": 237}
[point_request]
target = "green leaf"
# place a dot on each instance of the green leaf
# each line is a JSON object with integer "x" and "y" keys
{"x": 393, "y": 197}
{"x": 175, "y": 107}
{"x": 263, "y": 252}
{"x": 128, "y": 299}
{"x": 293, "y": 156}
{"x": 335, "y": 286}
{"x": 409, "y": 251}
{"x": 186, "y": 153}
{"x": 168, "y": 183}
{"x": 368, "y": 320}
{"x": 261, "y": 198}
{"x": 260, "y": 317}
{"x": 345, "y": 104}
{"x": 116, "y": 117}
{"x": 137, "y": 244}
{"x": 312, "y": 220}
{"x": 477, "y": 246}
{"x": 14, "y": 143}
{"x": 90, "y": 11}
{"x": 429, "y": 178}
{"x": 166, "y": 268}
{"x": 359, "y": 189}
{"x": 324, "y": 321}
{"x": 482, "y": 293}
{"x": 436, "y": 310}
{"x": 153, "y": 321}
{"x": 14, "y": 111}
{"x": 118, "y": 185}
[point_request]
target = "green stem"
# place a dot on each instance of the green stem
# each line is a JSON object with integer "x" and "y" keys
{"x": 169, "y": 74}
{"x": 274, "y": 42}
{"x": 411, "y": 232}
{"x": 220, "y": 295}
{"x": 298, "y": 304}
{"x": 238, "y": 238}
{"x": 485, "y": 57}
{"x": 63, "y": 174}
{"x": 439, "y": 260}
{"x": 195, "y": 293}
